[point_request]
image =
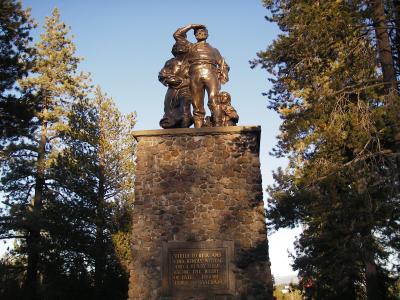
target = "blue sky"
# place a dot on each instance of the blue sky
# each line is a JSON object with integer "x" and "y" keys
{"x": 125, "y": 43}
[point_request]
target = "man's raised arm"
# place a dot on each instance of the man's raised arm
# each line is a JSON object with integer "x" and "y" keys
{"x": 180, "y": 34}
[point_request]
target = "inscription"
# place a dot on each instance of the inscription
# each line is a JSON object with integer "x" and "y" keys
{"x": 198, "y": 268}
{"x": 202, "y": 268}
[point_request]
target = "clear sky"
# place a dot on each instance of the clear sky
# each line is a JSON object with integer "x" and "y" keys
{"x": 125, "y": 44}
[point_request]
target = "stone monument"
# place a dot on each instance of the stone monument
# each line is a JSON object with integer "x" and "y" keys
{"x": 198, "y": 221}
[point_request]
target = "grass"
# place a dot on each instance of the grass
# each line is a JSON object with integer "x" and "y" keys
{"x": 294, "y": 294}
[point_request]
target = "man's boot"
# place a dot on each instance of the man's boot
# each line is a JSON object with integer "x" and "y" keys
{"x": 198, "y": 123}
{"x": 217, "y": 116}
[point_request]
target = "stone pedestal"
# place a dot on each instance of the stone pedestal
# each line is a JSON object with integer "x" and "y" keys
{"x": 198, "y": 221}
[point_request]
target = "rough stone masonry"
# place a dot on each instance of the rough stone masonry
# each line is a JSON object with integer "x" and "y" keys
{"x": 198, "y": 192}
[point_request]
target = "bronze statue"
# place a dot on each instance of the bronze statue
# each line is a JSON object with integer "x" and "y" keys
{"x": 207, "y": 71}
{"x": 175, "y": 75}
{"x": 229, "y": 114}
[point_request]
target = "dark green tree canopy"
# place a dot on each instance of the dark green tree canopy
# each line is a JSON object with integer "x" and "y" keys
{"x": 66, "y": 171}
{"x": 16, "y": 109}
{"x": 336, "y": 92}
{"x": 15, "y": 24}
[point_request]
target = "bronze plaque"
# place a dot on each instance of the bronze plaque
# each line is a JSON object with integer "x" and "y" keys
{"x": 197, "y": 268}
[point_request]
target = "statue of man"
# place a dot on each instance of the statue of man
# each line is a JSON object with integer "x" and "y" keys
{"x": 175, "y": 75}
{"x": 207, "y": 71}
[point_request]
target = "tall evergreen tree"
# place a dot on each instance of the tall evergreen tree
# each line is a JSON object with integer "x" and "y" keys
{"x": 96, "y": 173}
{"x": 15, "y": 54}
{"x": 337, "y": 96}
{"x": 54, "y": 83}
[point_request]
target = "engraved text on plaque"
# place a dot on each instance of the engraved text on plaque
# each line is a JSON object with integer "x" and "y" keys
{"x": 199, "y": 267}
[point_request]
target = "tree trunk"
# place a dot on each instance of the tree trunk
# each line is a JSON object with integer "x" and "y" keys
{"x": 100, "y": 251}
{"x": 396, "y": 7}
{"x": 371, "y": 276}
{"x": 383, "y": 43}
{"x": 33, "y": 239}
{"x": 349, "y": 291}
{"x": 386, "y": 60}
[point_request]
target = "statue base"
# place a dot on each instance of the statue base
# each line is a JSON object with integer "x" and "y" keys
{"x": 198, "y": 221}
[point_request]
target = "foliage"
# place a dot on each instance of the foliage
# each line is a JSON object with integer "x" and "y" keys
{"x": 95, "y": 173}
{"x": 52, "y": 84}
{"x": 293, "y": 293}
{"x": 15, "y": 56}
{"x": 66, "y": 179}
{"x": 339, "y": 128}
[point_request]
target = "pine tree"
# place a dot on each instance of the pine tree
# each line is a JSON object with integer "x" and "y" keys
{"x": 394, "y": 30}
{"x": 96, "y": 171}
{"x": 331, "y": 88}
{"x": 54, "y": 83}
{"x": 15, "y": 55}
